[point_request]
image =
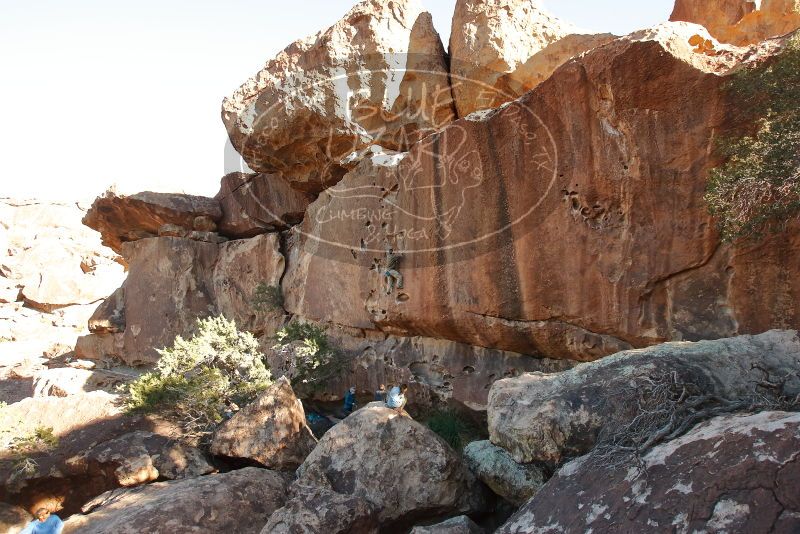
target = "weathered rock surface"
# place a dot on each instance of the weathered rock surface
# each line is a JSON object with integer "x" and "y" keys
{"x": 79, "y": 422}
{"x": 735, "y": 473}
{"x": 313, "y": 510}
{"x": 13, "y": 518}
{"x": 579, "y": 255}
{"x": 457, "y": 525}
{"x": 121, "y": 219}
{"x": 65, "y": 381}
{"x": 438, "y": 371}
{"x": 172, "y": 282}
{"x": 254, "y": 204}
{"x": 48, "y": 260}
{"x": 140, "y": 457}
{"x": 741, "y": 22}
{"x": 502, "y": 49}
{"x": 271, "y": 430}
{"x": 378, "y": 75}
{"x": 396, "y": 464}
{"x": 539, "y": 417}
{"x": 493, "y": 466}
{"x": 240, "y": 501}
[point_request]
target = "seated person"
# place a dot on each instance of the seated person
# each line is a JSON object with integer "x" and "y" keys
{"x": 45, "y": 523}
{"x": 396, "y": 399}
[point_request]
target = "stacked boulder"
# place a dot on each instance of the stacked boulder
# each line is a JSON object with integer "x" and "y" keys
{"x": 627, "y": 454}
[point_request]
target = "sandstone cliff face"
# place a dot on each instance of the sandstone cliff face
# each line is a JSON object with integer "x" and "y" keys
{"x": 500, "y": 49}
{"x": 376, "y": 76}
{"x": 173, "y": 281}
{"x": 741, "y": 22}
{"x": 567, "y": 224}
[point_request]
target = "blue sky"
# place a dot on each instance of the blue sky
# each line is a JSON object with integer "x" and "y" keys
{"x": 99, "y": 91}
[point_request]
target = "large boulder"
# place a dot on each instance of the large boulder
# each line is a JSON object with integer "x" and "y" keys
{"x": 140, "y": 457}
{"x": 493, "y": 466}
{"x": 171, "y": 282}
{"x": 398, "y": 465}
{"x": 315, "y": 510}
{"x": 254, "y": 204}
{"x": 502, "y": 49}
{"x": 240, "y": 501}
{"x": 741, "y": 22}
{"x": 734, "y": 473}
{"x": 378, "y": 75}
{"x": 271, "y": 430}
{"x": 538, "y": 417}
{"x": 121, "y": 218}
{"x": 541, "y": 227}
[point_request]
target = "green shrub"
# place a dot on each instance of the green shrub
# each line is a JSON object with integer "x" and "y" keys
{"x": 267, "y": 298}
{"x": 196, "y": 379}
{"x": 757, "y": 190}
{"x": 312, "y": 359}
{"x": 453, "y": 428}
{"x": 40, "y": 440}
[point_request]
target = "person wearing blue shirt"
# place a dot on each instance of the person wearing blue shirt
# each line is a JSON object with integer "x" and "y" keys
{"x": 45, "y": 523}
{"x": 350, "y": 400}
{"x": 396, "y": 399}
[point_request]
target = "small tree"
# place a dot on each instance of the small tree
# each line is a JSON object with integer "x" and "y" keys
{"x": 267, "y": 298}
{"x": 758, "y": 188}
{"x": 311, "y": 359}
{"x": 196, "y": 379}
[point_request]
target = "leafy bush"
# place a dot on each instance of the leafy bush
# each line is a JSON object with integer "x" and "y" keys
{"x": 311, "y": 358}
{"x": 267, "y": 298}
{"x": 453, "y": 428}
{"x": 758, "y": 188}
{"x": 197, "y": 378}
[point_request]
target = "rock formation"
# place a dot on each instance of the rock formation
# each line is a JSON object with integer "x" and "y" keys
{"x": 734, "y": 473}
{"x": 741, "y": 22}
{"x": 377, "y": 76}
{"x": 53, "y": 271}
{"x": 239, "y": 501}
{"x": 547, "y": 418}
{"x": 495, "y": 467}
{"x": 501, "y": 49}
{"x": 271, "y": 430}
{"x": 254, "y": 204}
{"x": 541, "y": 227}
{"x": 121, "y": 219}
{"x": 66, "y": 381}
{"x": 439, "y": 371}
{"x": 139, "y": 457}
{"x": 312, "y": 510}
{"x": 396, "y": 464}
{"x": 173, "y": 281}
